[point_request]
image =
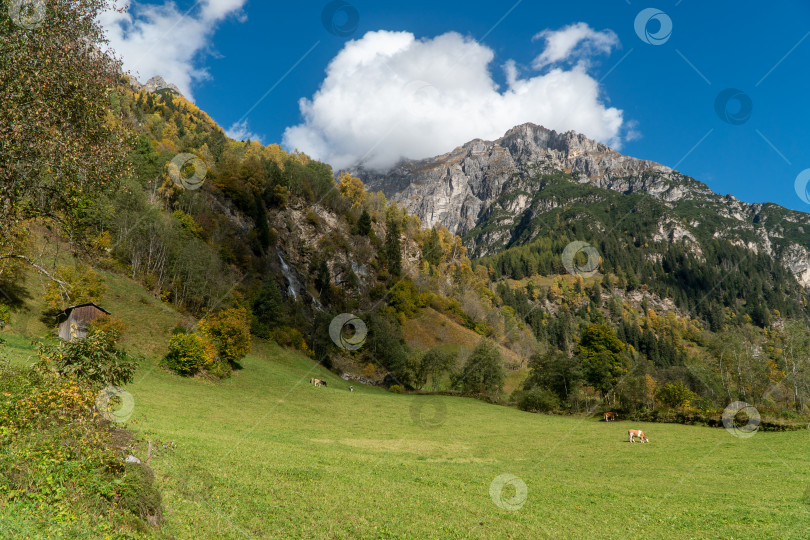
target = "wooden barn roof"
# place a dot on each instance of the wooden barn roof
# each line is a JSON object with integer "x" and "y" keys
{"x": 71, "y": 308}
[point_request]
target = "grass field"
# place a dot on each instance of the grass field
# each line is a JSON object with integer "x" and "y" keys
{"x": 266, "y": 455}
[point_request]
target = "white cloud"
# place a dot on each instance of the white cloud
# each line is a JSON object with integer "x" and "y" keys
{"x": 159, "y": 39}
{"x": 240, "y": 131}
{"x": 388, "y": 95}
{"x": 576, "y": 40}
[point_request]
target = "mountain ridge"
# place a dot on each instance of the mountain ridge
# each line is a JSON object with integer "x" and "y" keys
{"x": 468, "y": 185}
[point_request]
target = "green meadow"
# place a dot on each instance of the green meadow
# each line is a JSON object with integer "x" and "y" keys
{"x": 264, "y": 454}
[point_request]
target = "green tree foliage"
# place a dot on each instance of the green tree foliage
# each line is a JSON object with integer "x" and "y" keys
{"x": 229, "y": 331}
{"x": 95, "y": 359}
{"x": 600, "y": 352}
{"x": 364, "y": 223}
{"x": 80, "y": 284}
{"x": 432, "y": 366}
{"x": 405, "y": 298}
{"x": 555, "y": 371}
{"x": 483, "y": 372}
{"x": 188, "y": 353}
{"x": 432, "y": 250}
{"x": 385, "y": 347}
{"x": 675, "y": 395}
{"x": 58, "y": 147}
{"x": 537, "y": 400}
{"x": 393, "y": 244}
{"x": 269, "y": 310}
{"x": 52, "y": 427}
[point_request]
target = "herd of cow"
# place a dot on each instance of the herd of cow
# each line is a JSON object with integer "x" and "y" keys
{"x": 632, "y": 433}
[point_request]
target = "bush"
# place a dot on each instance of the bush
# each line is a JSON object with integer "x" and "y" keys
{"x": 290, "y": 337}
{"x": 60, "y": 458}
{"x": 112, "y": 326}
{"x": 189, "y": 353}
{"x": 229, "y": 331}
{"x": 397, "y": 389}
{"x": 312, "y": 218}
{"x": 94, "y": 359}
{"x": 537, "y": 400}
{"x": 83, "y": 284}
{"x": 675, "y": 395}
{"x": 138, "y": 494}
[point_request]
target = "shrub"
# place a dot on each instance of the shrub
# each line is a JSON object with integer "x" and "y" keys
{"x": 312, "y": 218}
{"x": 58, "y": 455}
{"x": 397, "y": 389}
{"x": 675, "y": 395}
{"x": 95, "y": 359}
{"x": 189, "y": 353}
{"x": 537, "y": 400}
{"x": 112, "y": 326}
{"x": 138, "y": 494}
{"x": 290, "y": 337}
{"x": 83, "y": 284}
{"x": 229, "y": 331}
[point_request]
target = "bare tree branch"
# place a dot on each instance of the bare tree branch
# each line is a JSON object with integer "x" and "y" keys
{"x": 62, "y": 284}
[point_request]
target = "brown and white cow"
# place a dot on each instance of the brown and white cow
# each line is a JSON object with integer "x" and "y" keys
{"x": 317, "y": 382}
{"x": 610, "y": 416}
{"x": 632, "y": 433}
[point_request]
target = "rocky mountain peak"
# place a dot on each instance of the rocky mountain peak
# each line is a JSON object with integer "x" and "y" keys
{"x": 457, "y": 188}
{"x": 483, "y": 190}
{"x": 155, "y": 84}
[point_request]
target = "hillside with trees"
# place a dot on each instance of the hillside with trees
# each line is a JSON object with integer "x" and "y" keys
{"x": 254, "y": 244}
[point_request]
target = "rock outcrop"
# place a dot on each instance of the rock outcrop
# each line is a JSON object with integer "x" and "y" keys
{"x": 155, "y": 84}
{"x": 483, "y": 180}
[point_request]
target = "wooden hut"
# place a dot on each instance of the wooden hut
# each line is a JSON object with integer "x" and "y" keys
{"x": 73, "y": 322}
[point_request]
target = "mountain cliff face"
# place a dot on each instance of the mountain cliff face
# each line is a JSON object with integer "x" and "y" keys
{"x": 486, "y": 190}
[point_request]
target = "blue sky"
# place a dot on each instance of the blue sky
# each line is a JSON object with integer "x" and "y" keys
{"x": 238, "y": 50}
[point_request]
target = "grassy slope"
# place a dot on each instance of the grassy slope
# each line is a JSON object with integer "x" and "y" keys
{"x": 431, "y": 328}
{"x": 265, "y": 455}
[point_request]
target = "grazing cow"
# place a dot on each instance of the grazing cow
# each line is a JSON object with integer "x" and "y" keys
{"x": 316, "y": 382}
{"x": 323, "y": 383}
{"x": 610, "y": 416}
{"x": 351, "y": 389}
{"x": 637, "y": 433}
